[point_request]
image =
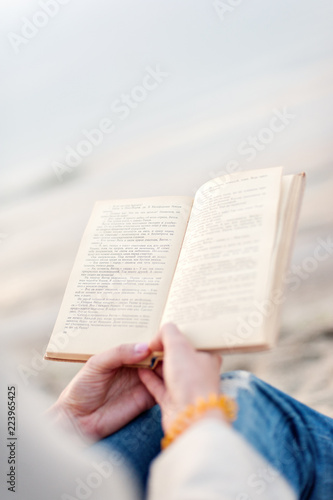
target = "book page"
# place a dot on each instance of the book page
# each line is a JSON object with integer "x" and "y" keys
{"x": 292, "y": 190}
{"x": 122, "y": 274}
{"x": 223, "y": 269}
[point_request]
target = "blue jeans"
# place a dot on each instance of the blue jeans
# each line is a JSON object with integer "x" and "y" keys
{"x": 295, "y": 439}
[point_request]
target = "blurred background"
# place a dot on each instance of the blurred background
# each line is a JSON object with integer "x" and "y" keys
{"x": 111, "y": 99}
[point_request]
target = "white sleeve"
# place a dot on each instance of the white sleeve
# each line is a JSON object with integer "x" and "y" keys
{"x": 212, "y": 461}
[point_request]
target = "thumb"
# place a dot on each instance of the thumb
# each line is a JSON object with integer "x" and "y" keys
{"x": 176, "y": 345}
{"x": 124, "y": 354}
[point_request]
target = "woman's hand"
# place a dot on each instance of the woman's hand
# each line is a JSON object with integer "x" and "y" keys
{"x": 105, "y": 395}
{"x": 187, "y": 375}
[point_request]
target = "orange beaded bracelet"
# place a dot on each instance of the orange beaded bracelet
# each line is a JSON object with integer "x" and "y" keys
{"x": 193, "y": 412}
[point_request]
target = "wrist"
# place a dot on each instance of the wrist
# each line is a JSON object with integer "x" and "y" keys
{"x": 215, "y": 406}
{"x": 214, "y": 413}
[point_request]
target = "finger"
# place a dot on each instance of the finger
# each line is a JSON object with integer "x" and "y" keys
{"x": 159, "y": 370}
{"x": 112, "y": 416}
{"x": 153, "y": 383}
{"x": 115, "y": 357}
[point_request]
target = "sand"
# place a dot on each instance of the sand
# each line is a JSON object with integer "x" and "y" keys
{"x": 44, "y": 230}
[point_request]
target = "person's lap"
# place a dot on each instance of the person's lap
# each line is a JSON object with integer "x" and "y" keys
{"x": 293, "y": 438}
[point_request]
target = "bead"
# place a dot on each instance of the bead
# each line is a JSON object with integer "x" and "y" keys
{"x": 192, "y": 412}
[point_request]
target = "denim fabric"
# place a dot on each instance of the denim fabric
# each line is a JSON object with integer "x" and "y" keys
{"x": 295, "y": 439}
{"x": 139, "y": 443}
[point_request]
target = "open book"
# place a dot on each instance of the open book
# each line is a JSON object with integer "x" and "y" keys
{"x": 214, "y": 265}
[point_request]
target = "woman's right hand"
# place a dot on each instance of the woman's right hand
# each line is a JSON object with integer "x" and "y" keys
{"x": 186, "y": 375}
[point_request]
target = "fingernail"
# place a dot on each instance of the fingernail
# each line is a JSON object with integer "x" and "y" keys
{"x": 170, "y": 328}
{"x": 141, "y": 348}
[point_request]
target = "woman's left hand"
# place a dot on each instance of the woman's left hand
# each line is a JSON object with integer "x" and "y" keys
{"x": 105, "y": 395}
